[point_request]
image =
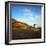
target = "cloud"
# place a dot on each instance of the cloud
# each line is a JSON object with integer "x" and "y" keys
{"x": 26, "y": 10}
{"x": 38, "y": 17}
{"x": 32, "y": 16}
{"x": 29, "y": 16}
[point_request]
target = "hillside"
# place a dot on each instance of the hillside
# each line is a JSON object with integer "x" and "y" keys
{"x": 19, "y": 25}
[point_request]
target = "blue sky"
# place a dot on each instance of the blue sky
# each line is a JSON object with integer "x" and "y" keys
{"x": 27, "y": 14}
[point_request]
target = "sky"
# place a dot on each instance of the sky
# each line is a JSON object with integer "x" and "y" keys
{"x": 27, "y": 14}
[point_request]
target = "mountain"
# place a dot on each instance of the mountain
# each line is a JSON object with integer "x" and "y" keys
{"x": 19, "y": 25}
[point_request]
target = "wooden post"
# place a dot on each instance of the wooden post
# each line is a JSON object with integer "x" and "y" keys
{"x": 34, "y": 27}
